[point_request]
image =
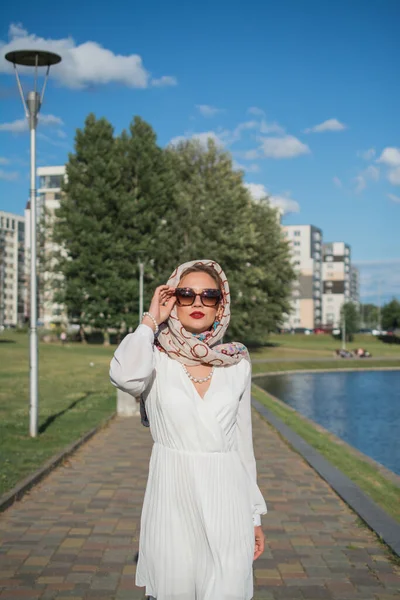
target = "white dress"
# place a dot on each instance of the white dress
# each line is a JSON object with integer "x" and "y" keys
{"x": 202, "y": 497}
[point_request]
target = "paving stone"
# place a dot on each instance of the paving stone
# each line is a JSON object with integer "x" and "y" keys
{"x": 75, "y": 536}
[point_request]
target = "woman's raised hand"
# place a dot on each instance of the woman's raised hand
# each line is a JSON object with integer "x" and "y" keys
{"x": 162, "y": 303}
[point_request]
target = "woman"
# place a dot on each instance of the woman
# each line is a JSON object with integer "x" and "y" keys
{"x": 200, "y": 525}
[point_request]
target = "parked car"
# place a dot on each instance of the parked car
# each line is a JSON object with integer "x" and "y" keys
{"x": 303, "y": 330}
{"x": 318, "y": 331}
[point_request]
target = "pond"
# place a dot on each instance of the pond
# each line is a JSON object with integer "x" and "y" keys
{"x": 362, "y": 408}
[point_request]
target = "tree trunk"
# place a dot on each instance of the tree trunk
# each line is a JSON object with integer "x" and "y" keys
{"x": 106, "y": 338}
{"x": 82, "y": 335}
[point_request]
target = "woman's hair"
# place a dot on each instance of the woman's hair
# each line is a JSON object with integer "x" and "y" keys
{"x": 203, "y": 269}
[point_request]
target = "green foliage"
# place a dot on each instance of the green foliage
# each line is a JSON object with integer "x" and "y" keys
{"x": 391, "y": 315}
{"x": 218, "y": 220}
{"x": 126, "y": 198}
{"x": 351, "y": 317}
{"x": 369, "y": 315}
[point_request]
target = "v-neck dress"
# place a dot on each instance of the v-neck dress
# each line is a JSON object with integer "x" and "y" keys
{"x": 202, "y": 499}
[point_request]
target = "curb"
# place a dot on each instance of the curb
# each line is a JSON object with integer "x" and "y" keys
{"x": 386, "y": 528}
{"x": 17, "y": 492}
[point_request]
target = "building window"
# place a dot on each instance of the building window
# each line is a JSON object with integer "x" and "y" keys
{"x": 296, "y": 243}
{"x": 297, "y": 233}
{"x": 50, "y": 181}
{"x": 329, "y": 258}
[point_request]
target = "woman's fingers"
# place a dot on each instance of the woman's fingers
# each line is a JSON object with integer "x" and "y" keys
{"x": 259, "y": 545}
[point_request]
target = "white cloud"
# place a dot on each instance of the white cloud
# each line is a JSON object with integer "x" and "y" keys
{"x": 164, "y": 81}
{"x": 394, "y": 176}
{"x": 17, "y": 126}
{"x": 367, "y": 154}
{"x": 284, "y": 203}
{"x": 208, "y": 111}
{"x": 4, "y": 161}
{"x": 83, "y": 64}
{"x": 329, "y": 125}
{"x": 337, "y": 182}
{"x": 254, "y": 110}
{"x": 202, "y": 138}
{"x": 50, "y": 120}
{"x": 371, "y": 173}
{"x": 273, "y": 127}
{"x": 253, "y": 168}
{"x": 250, "y": 154}
{"x": 394, "y": 198}
{"x": 283, "y": 147}
{"x": 257, "y": 191}
{"x": 8, "y": 175}
{"x": 61, "y": 134}
{"x": 390, "y": 156}
{"x": 21, "y": 125}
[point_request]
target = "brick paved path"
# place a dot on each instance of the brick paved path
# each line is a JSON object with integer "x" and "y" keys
{"x": 76, "y": 535}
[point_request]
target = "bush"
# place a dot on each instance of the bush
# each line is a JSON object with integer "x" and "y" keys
{"x": 389, "y": 339}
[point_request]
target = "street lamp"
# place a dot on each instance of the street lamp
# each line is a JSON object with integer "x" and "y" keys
{"x": 141, "y": 276}
{"x": 33, "y": 58}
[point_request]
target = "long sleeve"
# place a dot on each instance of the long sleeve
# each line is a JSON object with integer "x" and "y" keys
{"x": 246, "y": 450}
{"x": 132, "y": 365}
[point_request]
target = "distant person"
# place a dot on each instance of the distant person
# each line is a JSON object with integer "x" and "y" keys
{"x": 200, "y": 526}
{"x": 63, "y": 337}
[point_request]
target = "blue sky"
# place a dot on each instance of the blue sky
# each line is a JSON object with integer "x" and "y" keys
{"x": 304, "y": 94}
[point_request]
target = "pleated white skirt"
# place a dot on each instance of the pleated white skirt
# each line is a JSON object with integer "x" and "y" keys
{"x": 197, "y": 533}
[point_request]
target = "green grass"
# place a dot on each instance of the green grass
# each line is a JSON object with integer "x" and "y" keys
{"x": 74, "y": 397}
{"x": 289, "y": 345}
{"x": 366, "y": 476}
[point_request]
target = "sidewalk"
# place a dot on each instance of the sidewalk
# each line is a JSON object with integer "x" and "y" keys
{"x": 75, "y": 536}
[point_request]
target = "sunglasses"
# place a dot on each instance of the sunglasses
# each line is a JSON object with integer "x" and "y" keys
{"x": 187, "y": 296}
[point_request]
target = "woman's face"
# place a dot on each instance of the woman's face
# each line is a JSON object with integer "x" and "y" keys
{"x": 198, "y": 318}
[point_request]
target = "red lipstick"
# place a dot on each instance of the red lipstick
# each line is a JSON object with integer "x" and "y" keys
{"x": 197, "y": 315}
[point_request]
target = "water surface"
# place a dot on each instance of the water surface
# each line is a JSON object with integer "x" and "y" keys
{"x": 362, "y": 408}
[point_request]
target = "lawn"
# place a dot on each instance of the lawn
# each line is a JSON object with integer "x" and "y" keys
{"x": 74, "y": 396}
{"x": 288, "y": 345}
{"x": 366, "y": 476}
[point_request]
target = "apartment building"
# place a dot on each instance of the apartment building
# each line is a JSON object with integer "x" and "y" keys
{"x": 12, "y": 269}
{"x": 336, "y": 277}
{"x": 50, "y": 312}
{"x": 306, "y": 254}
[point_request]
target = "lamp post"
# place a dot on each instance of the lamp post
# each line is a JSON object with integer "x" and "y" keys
{"x": 141, "y": 275}
{"x": 36, "y": 59}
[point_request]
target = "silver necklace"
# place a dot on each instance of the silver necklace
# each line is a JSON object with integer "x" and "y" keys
{"x": 197, "y": 379}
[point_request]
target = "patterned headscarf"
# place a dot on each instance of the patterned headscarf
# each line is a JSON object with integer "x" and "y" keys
{"x": 193, "y": 349}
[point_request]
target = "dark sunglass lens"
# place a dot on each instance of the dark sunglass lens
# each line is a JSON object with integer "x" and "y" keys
{"x": 184, "y": 297}
{"x": 211, "y": 297}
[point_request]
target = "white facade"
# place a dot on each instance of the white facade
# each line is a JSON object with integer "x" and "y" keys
{"x": 336, "y": 277}
{"x": 49, "y": 194}
{"x": 305, "y": 243}
{"x": 12, "y": 269}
